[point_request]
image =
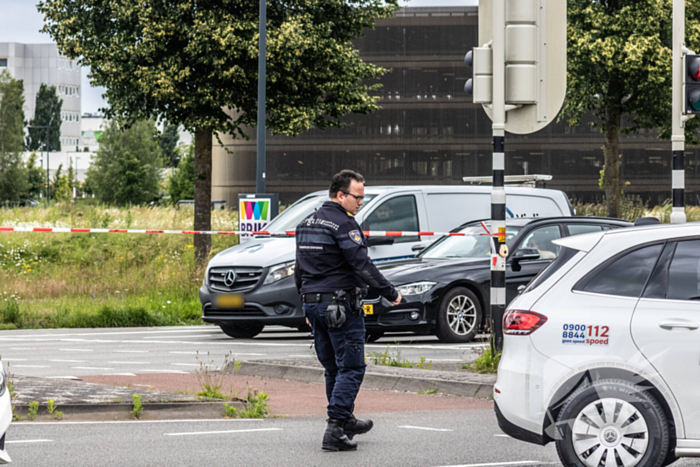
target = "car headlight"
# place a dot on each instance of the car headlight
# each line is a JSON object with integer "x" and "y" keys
{"x": 416, "y": 288}
{"x": 279, "y": 272}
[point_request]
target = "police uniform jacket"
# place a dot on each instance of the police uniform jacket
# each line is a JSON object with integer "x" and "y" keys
{"x": 332, "y": 255}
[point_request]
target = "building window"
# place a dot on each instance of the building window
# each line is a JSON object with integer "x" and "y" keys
{"x": 3, "y": 62}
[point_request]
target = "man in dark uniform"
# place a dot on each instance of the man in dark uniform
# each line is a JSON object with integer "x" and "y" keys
{"x": 332, "y": 258}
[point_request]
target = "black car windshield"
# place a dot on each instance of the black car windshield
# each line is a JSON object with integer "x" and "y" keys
{"x": 474, "y": 244}
{"x": 290, "y": 217}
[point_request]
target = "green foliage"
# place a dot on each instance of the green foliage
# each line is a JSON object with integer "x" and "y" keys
{"x": 255, "y": 404}
{"x": 47, "y": 109}
{"x": 211, "y": 380}
{"x": 429, "y": 391}
{"x": 60, "y": 186}
{"x": 58, "y": 415}
{"x": 13, "y": 174}
{"x": 230, "y": 412}
{"x": 33, "y": 410}
{"x": 168, "y": 145}
{"x": 390, "y": 357}
{"x": 138, "y": 407}
{"x": 126, "y": 168}
{"x": 36, "y": 177}
{"x": 181, "y": 183}
{"x": 486, "y": 362}
{"x": 50, "y": 406}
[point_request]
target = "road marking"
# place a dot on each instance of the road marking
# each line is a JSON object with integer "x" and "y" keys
{"x": 111, "y": 333}
{"x": 164, "y": 371}
{"x": 62, "y": 377}
{"x": 221, "y": 432}
{"x": 76, "y": 350}
{"x": 118, "y": 374}
{"x": 118, "y": 422}
{"x": 30, "y": 366}
{"x": 423, "y": 428}
{"x": 499, "y": 464}
{"x": 68, "y": 361}
{"x": 186, "y": 364}
{"x": 131, "y": 351}
{"x": 18, "y": 441}
{"x": 132, "y": 363}
{"x": 90, "y": 368}
{"x": 15, "y": 359}
{"x": 22, "y": 348}
{"x": 189, "y": 352}
{"x": 303, "y": 356}
{"x": 502, "y": 436}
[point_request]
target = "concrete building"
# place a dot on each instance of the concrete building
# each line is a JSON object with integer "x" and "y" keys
{"x": 41, "y": 63}
{"x": 428, "y": 131}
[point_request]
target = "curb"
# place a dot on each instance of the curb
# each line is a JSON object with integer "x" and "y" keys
{"x": 155, "y": 410}
{"x": 379, "y": 381}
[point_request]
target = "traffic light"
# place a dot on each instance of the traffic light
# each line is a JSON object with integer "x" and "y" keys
{"x": 521, "y": 52}
{"x": 481, "y": 85}
{"x": 692, "y": 84}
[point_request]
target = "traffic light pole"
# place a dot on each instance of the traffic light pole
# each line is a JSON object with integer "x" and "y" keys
{"x": 498, "y": 192}
{"x": 262, "y": 78}
{"x": 678, "y": 119}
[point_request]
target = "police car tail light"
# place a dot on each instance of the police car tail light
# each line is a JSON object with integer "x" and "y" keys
{"x": 522, "y": 323}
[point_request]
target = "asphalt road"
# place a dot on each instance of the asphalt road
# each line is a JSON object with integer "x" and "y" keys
{"x": 80, "y": 352}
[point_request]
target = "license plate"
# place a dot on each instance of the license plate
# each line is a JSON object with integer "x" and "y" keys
{"x": 228, "y": 301}
{"x": 369, "y": 309}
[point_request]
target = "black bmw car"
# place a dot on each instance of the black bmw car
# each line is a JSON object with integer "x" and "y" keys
{"x": 446, "y": 286}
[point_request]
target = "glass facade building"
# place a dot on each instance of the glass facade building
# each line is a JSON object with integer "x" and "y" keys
{"x": 428, "y": 131}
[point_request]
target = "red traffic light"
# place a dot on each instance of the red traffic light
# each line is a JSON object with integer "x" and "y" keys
{"x": 694, "y": 68}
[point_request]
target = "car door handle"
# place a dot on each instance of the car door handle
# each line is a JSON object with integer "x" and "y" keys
{"x": 678, "y": 323}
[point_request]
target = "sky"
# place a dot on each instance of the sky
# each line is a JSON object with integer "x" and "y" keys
{"x": 21, "y": 22}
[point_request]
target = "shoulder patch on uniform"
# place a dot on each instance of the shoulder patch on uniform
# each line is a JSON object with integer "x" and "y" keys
{"x": 349, "y": 214}
{"x": 355, "y": 236}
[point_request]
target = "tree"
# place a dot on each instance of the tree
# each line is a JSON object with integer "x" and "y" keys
{"x": 36, "y": 180}
{"x": 13, "y": 174}
{"x": 619, "y": 68}
{"x": 57, "y": 176}
{"x": 48, "y": 108}
{"x": 181, "y": 183}
{"x": 168, "y": 144}
{"x": 194, "y": 63}
{"x": 126, "y": 168}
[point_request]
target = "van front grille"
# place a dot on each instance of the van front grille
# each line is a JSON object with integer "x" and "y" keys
{"x": 244, "y": 279}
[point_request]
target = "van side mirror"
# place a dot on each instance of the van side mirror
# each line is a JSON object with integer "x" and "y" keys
{"x": 379, "y": 241}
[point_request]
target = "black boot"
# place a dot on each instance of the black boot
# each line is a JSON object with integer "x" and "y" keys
{"x": 357, "y": 427}
{"x": 335, "y": 439}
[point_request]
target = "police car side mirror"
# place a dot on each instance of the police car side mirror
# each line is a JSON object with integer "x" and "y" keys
{"x": 378, "y": 241}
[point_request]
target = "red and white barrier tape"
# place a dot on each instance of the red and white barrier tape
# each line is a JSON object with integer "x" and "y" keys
{"x": 289, "y": 233}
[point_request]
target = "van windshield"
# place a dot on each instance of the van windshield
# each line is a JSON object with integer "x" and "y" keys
{"x": 474, "y": 244}
{"x": 294, "y": 214}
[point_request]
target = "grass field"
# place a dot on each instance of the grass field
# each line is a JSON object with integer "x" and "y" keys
{"x": 94, "y": 280}
{"x": 54, "y": 280}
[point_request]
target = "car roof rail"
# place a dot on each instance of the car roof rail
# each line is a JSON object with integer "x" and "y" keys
{"x": 646, "y": 221}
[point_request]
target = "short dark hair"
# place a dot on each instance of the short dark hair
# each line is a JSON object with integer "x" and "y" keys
{"x": 341, "y": 182}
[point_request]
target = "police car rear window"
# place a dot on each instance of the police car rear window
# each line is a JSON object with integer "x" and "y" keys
{"x": 564, "y": 256}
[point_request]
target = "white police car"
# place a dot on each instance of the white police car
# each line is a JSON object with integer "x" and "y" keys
{"x": 602, "y": 350}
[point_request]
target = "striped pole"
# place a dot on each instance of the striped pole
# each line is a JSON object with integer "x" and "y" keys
{"x": 498, "y": 235}
{"x": 678, "y": 214}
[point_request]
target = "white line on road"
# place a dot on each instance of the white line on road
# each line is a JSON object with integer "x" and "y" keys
{"x": 423, "y": 428}
{"x": 18, "y": 441}
{"x": 118, "y": 374}
{"x": 61, "y": 377}
{"x": 90, "y": 368}
{"x": 22, "y": 348}
{"x": 221, "y": 432}
{"x": 68, "y": 361}
{"x": 303, "y": 356}
{"x": 15, "y": 359}
{"x": 110, "y": 333}
{"x": 499, "y": 464}
{"x": 76, "y": 350}
{"x": 30, "y": 366}
{"x": 132, "y": 363}
{"x": 121, "y": 422}
{"x": 131, "y": 351}
{"x": 164, "y": 371}
{"x": 185, "y": 364}
{"x": 502, "y": 436}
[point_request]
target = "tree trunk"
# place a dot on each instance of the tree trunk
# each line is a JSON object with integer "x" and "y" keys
{"x": 611, "y": 150}
{"x": 202, "y": 194}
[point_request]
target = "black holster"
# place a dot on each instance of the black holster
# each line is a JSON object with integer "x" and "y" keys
{"x": 335, "y": 313}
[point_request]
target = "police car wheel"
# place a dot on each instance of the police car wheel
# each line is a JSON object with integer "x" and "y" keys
{"x": 612, "y": 422}
{"x": 459, "y": 316}
{"x": 240, "y": 331}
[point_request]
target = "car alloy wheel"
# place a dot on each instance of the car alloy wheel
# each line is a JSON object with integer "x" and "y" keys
{"x": 612, "y": 422}
{"x": 459, "y": 316}
{"x": 613, "y": 428}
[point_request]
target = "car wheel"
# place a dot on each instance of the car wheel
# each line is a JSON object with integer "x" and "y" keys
{"x": 459, "y": 316}
{"x": 612, "y": 422}
{"x": 373, "y": 336}
{"x": 240, "y": 331}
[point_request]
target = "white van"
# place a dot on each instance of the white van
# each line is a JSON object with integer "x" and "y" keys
{"x": 258, "y": 273}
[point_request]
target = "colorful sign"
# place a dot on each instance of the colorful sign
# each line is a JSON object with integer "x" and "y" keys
{"x": 255, "y": 213}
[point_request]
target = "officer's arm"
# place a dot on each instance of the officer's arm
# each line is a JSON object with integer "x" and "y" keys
{"x": 355, "y": 252}
{"x": 297, "y": 270}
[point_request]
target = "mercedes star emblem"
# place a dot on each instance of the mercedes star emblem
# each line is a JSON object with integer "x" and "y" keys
{"x": 229, "y": 277}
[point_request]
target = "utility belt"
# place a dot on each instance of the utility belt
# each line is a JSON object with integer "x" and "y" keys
{"x": 335, "y": 313}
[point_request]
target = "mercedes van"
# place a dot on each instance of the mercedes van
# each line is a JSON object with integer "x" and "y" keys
{"x": 251, "y": 285}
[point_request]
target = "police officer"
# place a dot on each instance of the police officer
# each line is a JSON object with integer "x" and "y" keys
{"x": 332, "y": 268}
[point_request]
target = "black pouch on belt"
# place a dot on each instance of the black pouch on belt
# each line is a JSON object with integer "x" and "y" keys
{"x": 335, "y": 313}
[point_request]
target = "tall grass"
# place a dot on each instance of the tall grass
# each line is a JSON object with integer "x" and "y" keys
{"x": 633, "y": 208}
{"x": 91, "y": 280}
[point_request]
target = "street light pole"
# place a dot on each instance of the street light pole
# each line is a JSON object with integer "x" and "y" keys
{"x": 262, "y": 58}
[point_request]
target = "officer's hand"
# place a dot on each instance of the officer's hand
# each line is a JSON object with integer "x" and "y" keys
{"x": 307, "y": 322}
{"x": 398, "y": 300}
